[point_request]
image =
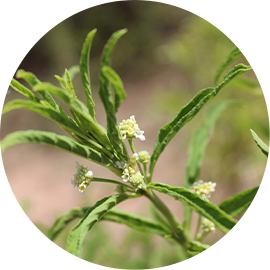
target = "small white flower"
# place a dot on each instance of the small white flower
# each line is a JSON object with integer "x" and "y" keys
{"x": 125, "y": 177}
{"x": 89, "y": 175}
{"x": 134, "y": 157}
{"x": 132, "y": 118}
{"x": 130, "y": 131}
{"x": 141, "y": 137}
{"x": 120, "y": 164}
{"x": 82, "y": 188}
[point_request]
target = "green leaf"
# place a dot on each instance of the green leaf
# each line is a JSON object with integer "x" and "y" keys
{"x": 85, "y": 72}
{"x": 69, "y": 84}
{"x": 222, "y": 220}
{"x": 80, "y": 113}
{"x": 235, "y": 53}
{"x": 114, "y": 215}
{"x": 136, "y": 222}
{"x": 94, "y": 214}
{"x": 23, "y": 90}
{"x": 119, "y": 91}
{"x": 61, "y": 142}
{"x": 60, "y": 118}
{"x": 107, "y": 99}
{"x": 73, "y": 71}
{"x": 168, "y": 131}
{"x": 239, "y": 203}
{"x": 260, "y": 143}
{"x": 200, "y": 141}
{"x": 62, "y": 82}
{"x": 62, "y": 221}
{"x": 32, "y": 80}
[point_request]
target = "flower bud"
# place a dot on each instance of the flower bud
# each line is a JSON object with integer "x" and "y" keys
{"x": 144, "y": 157}
{"x": 136, "y": 180}
{"x": 208, "y": 226}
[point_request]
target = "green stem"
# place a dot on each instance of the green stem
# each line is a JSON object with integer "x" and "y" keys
{"x": 132, "y": 147}
{"x": 188, "y": 219}
{"x": 145, "y": 170}
{"x": 95, "y": 179}
{"x": 198, "y": 227}
{"x": 202, "y": 236}
{"x": 174, "y": 224}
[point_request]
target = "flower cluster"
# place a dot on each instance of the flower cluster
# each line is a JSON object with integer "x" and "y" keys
{"x": 82, "y": 178}
{"x": 129, "y": 173}
{"x": 208, "y": 226}
{"x": 129, "y": 129}
{"x": 204, "y": 189}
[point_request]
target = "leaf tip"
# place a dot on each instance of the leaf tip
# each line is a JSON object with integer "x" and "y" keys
{"x": 19, "y": 73}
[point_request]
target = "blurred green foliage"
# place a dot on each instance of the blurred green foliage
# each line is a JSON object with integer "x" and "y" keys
{"x": 196, "y": 51}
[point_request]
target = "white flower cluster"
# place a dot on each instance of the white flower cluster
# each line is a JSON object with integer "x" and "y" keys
{"x": 82, "y": 178}
{"x": 208, "y": 226}
{"x": 129, "y": 129}
{"x": 129, "y": 173}
{"x": 204, "y": 189}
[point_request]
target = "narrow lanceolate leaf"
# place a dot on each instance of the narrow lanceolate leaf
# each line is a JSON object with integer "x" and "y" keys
{"x": 119, "y": 91}
{"x": 94, "y": 214}
{"x": 60, "y": 118}
{"x": 114, "y": 215}
{"x": 260, "y": 143}
{"x": 235, "y": 53}
{"x": 73, "y": 71}
{"x": 239, "y": 203}
{"x": 63, "y": 221}
{"x": 32, "y": 80}
{"x": 107, "y": 99}
{"x": 85, "y": 73}
{"x": 222, "y": 220}
{"x": 136, "y": 222}
{"x": 61, "y": 142}
{"x": 168, "y": 131}
{"x": 80, "y": 113}
{"x": 69, "y": 83}
{"x": 200, "y": 140}
{"x": 23, "y": 90}
{"x": 62, "y": 82}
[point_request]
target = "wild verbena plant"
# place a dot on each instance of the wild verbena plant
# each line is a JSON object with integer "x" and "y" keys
{"x": 135, "y": 171}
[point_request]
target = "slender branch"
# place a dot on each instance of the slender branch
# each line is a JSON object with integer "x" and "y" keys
{"x": 145, "y": 170}
{"x": 177, "y": 229}
{"x": 202, "y": 236}
{"x": 198, "y": 227}
{"x": 95, "y": 179}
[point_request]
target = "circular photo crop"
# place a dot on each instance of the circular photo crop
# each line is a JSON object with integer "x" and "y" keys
{"x": 138, "y": 130}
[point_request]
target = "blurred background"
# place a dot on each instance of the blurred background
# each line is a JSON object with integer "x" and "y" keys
{"x": 166, "y": 57}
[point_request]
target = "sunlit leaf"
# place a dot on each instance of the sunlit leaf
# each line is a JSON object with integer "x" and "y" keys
{"x": 222, "y": 220}
{"x": 260, "y": 143}
{"x": 85, "y": 72}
